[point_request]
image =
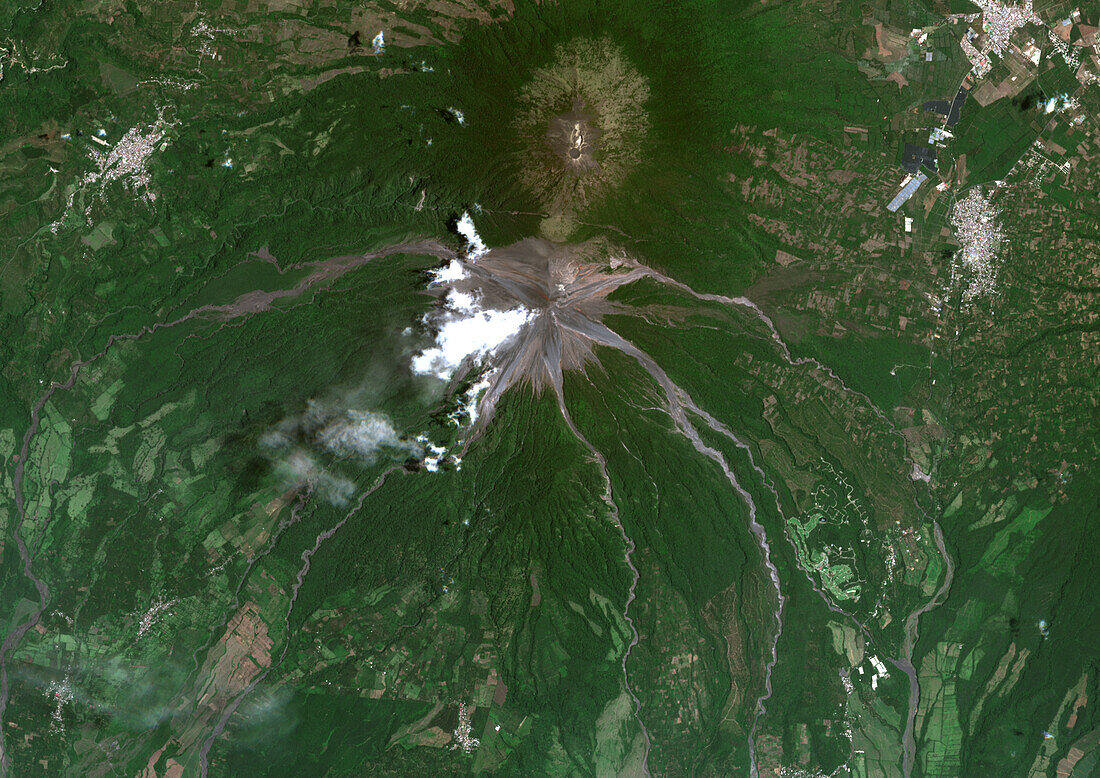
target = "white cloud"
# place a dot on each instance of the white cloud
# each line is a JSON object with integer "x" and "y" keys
{"x": 465, "y": 330}
{"x": 300, "y": 444}
{"x": 431, "y": 462}
{"x": 302, "y": 469}
{"x": 1057, "y": 103}
{"x": 360, "y": 433}
{"x": 274, "y": 439}
{"x": 471, "y": 397}
{"x": 434, "y": 455}
{"x": 463, "y": 302}
{"x": 455, "y": 271}
{"x": 467, "y": 230}
{"x": 468, "y": 332}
